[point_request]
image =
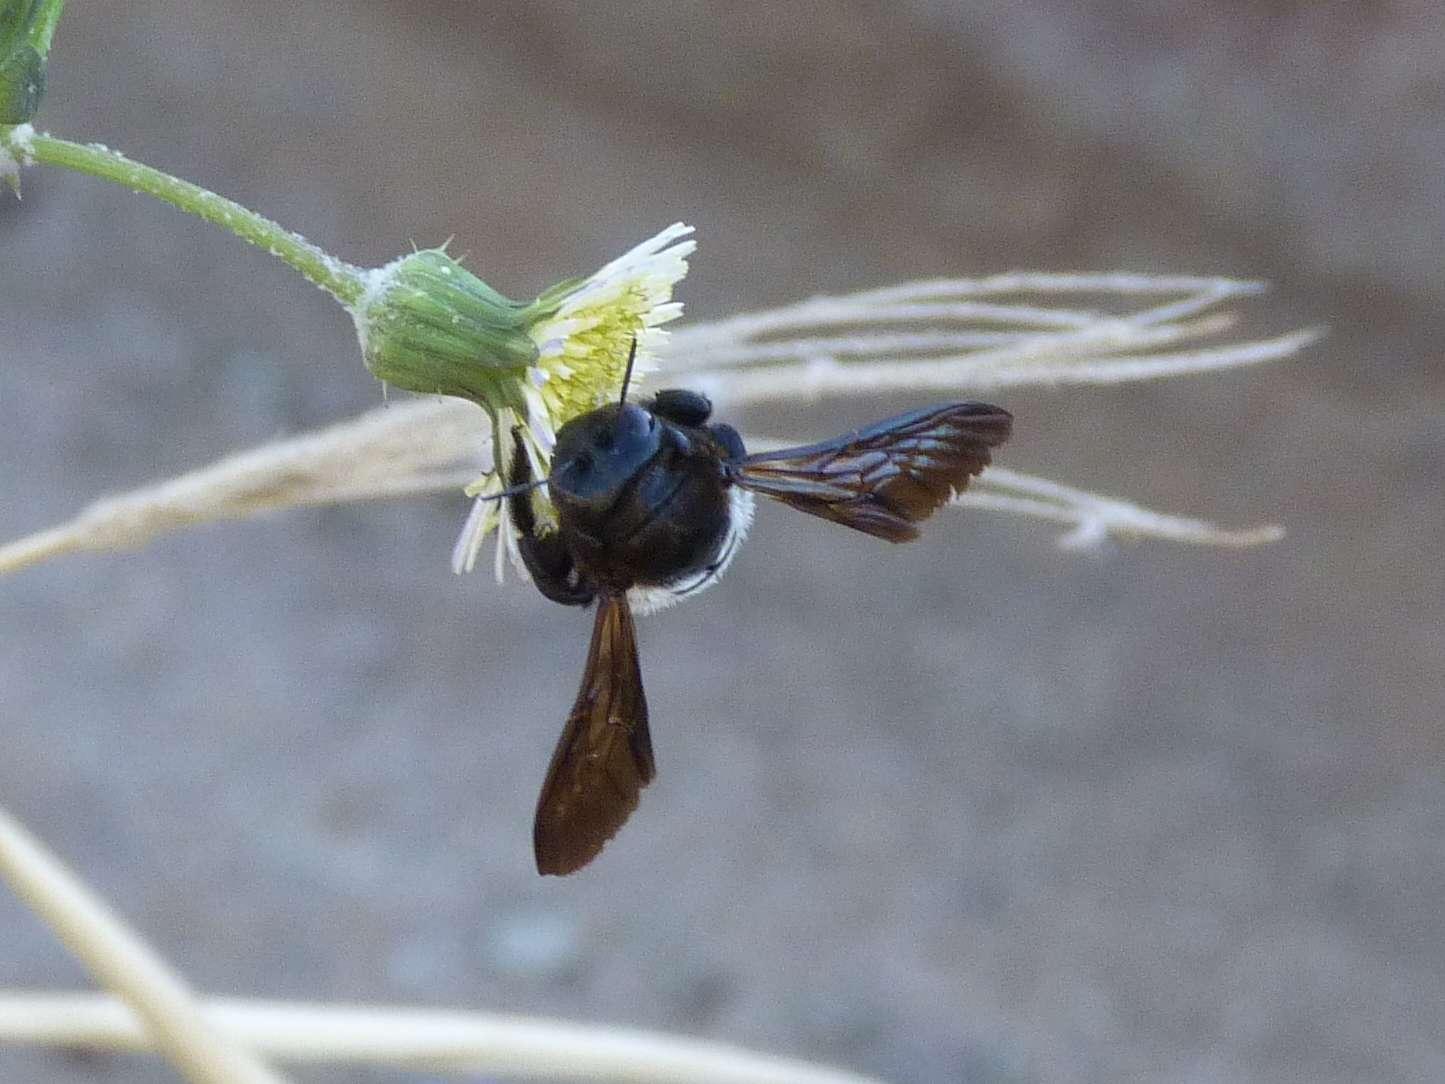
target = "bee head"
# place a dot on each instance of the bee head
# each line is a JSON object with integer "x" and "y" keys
{"x": 600, "y": 452}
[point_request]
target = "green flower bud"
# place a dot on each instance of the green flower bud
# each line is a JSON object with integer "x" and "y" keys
{"x": 429, "y": 325}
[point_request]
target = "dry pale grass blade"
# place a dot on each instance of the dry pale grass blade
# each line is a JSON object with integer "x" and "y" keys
{"x": 160, "y": 1005}
{"x": 1095, "y": 517}
{"x": 951, "y": 310}
{"x": 850, "y": 311}
{"x": 1102, "y": 354}
{"x": 388, "y": 452}
{"x": 1052, "y": 364}
{"x": 1024, "y": 283}
{"x": 451, "y": 1042}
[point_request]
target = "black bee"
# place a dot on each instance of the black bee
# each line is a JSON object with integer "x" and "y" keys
{"x": 652, "y": 502}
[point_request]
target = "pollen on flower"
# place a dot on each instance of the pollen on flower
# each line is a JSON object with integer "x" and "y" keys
{"x": 583, "y": 346}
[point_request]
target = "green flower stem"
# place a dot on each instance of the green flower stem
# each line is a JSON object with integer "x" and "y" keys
{"x": 338, "y": 278}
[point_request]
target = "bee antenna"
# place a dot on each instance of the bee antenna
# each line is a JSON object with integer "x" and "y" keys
{"x": 627, "y": 375}
{"x": 512, "y": 491}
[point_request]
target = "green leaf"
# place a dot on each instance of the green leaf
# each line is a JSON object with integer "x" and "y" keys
{"x": 22, "y": 83}
{"x": 26, "y": 27}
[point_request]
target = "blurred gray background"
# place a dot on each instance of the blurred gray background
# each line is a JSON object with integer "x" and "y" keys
{"x": 974, "y": 810}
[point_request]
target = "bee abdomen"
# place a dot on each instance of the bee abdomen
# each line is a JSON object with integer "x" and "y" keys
{"x": 649, "y": 598}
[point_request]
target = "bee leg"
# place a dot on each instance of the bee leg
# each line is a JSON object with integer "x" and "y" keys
{"x": 681, "y": 407}
{"x": 730, "y": 439}
{"x": 545, "y": 556}
{"x": 552, "y": 570}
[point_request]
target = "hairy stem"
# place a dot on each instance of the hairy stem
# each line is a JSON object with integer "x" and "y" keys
{"x": 338, "y": 278}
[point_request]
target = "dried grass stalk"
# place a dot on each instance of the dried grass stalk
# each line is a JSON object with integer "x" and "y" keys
{"x": 442, "y": 1042}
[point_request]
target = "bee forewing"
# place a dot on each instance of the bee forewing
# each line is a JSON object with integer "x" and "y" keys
{"x": 883, "y": 479}
{"x": 604, "y": 757}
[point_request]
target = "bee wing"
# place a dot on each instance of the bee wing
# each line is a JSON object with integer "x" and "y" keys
{"x": 604, "y": 757}
{"x": 883, "y": 479}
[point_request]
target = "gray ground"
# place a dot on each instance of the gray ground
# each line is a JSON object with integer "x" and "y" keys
{"x": 973, "y": 811}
